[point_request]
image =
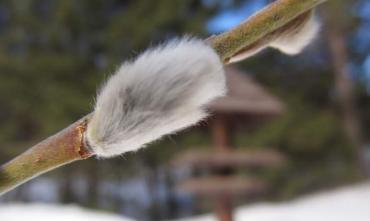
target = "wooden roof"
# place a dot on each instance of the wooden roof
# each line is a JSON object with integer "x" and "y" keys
{"x": 233, "y": 158}
{"x": 245, "y": 96}
{"x": 216, "y": 186}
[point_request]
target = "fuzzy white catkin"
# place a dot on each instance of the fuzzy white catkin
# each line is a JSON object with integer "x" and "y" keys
{"x": 163, "y": 91}
{"x": 296, "y": 41}
{"x": 289, "y": 42}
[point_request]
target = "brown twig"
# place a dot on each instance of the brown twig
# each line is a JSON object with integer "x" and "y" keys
{"x": 68, "y": 145}
{"x": 64, "y": 147}
{"x": 266, "y": 21}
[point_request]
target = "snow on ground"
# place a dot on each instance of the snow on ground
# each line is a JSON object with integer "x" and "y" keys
{"x": 344, "y": 204}
{"x": 43, "y": 212}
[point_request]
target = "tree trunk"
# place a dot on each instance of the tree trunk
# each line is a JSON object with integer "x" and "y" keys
{"x": 345, "y": 95}
{"x": 221, "y": 137}
{"x": 224, "y": 210}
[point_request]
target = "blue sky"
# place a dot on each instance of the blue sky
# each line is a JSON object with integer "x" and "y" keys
{"x": 362, "y": 38}
{"x": 232, "y": 16}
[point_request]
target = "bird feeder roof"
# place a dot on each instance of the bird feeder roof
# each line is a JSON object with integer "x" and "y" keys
{"x": 221, "y": 185}
{"x": 245, "y": 96}
{"x": 233, "y": 158}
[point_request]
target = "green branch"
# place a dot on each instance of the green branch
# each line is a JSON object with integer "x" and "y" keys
{"x": 65, "y": 147}
{"x": 269, "y": 19}
{"x": 68, "y": 145}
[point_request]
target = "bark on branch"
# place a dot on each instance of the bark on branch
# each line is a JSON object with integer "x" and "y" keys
{"x": 266, "y": 21}
{"x": 68, "y": 145}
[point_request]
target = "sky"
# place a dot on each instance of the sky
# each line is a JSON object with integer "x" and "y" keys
{"x": 361, "y": 40}
{"x": 232, "y": 15}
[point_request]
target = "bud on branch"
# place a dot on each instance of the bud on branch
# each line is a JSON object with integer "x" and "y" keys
{"x": 164, "y": 90}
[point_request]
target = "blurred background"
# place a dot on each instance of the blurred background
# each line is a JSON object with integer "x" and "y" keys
{"x": 290, "y": 126}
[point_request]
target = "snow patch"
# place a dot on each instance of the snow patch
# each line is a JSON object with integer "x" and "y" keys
{"x": 344, "y": 204}
{"x": 43, "y": 212}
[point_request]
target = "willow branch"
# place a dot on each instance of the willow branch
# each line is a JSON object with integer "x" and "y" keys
{"x": 68, "y": 145}
{"x": 266, "y": 21}
{"x": 63, "y": 148}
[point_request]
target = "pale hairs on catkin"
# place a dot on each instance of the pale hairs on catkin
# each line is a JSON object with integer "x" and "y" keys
{"x": 295, "y": 40}
{"x": 290, "y": 39}
{"x": 162, "y": 91}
